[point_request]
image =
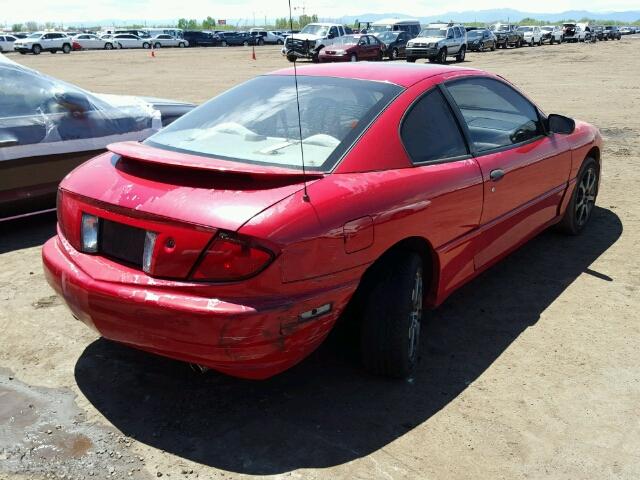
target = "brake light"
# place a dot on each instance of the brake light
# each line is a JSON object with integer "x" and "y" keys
{"x": 230, "y": 258}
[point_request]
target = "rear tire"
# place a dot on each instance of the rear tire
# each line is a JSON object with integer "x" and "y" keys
{"x": 353, "y": 57}
{"x": 461, "y": 54}
{"x": 157, "y": 45}
{"x": 394, "y": 54}
{"x": 583, "y": 199}
{"x": 108, "y": 46}
{"x": 146, "y": 45}
{"x": 390, "y": 337}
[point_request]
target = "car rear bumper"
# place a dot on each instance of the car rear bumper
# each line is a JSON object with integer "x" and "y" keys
{"x": 256, "y": 340}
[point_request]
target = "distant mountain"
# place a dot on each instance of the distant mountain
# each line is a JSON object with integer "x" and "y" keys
{"x": 505, "y": 14}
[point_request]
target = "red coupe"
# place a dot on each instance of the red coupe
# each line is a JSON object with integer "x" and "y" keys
{"x": 351, "y": 48}
{"x": 211, "y": 244}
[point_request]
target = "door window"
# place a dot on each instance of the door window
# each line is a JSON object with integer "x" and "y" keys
{"x": 430, "y": 132}
{"x": 496, "y": 115}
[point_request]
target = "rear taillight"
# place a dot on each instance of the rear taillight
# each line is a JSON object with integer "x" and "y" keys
{"x": 90, "y": 232}
{"x": 230, "y": 258}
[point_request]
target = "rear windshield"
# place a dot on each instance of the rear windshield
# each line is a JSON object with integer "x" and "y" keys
{"x": 257, "y": 122}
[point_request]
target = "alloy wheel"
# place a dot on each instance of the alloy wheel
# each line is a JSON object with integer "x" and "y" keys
{"x": 586, "y": 196}
{"x": 415, "y": 316}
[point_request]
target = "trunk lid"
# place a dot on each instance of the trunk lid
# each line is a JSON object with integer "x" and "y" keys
{"x": 147, "y": 181}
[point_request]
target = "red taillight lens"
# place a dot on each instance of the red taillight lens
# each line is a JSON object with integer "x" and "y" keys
{"x": 229, "y": 258}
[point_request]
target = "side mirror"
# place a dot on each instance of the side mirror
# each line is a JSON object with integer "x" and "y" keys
{"x": 561, "y": 124}
{"x": 76, "y": 103}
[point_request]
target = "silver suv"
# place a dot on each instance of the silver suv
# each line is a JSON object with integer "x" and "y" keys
{"x": 437, "y": 42}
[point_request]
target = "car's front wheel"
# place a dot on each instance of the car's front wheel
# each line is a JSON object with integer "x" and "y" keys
{"x": 146, "y": 45}
{"x": 66, "y": 48}
{"x": 442, "y": 56}
{"x": 394, "y": 54}
{"x": 353, "y": 57}
{"x": 390, "y": 336}
{"x": 157, "y": 45}
{"x": 108, "y": 46}
{"x": 580, "y": 207}
{"x": 36, "y": 49}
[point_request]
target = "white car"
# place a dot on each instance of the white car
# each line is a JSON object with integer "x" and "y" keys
{"x": 6, "y": 43}
{"x": 89, "y": 41}
{"x": 311, "y": 39}
{"x": 573, "y": 32}
{"x": 267, "y": 37}
{"x": 129, "y": 40}
{"x": 532, "y": 34}
{"x": 165, "y": 40}
{"x": 43, "y": 42}
{"x": 552, "y": 33}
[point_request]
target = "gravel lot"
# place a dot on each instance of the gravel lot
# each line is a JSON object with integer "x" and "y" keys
{"x": 530, "y": 371}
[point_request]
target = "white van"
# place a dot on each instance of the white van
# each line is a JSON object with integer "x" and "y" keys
{"x": 409, "y": 25}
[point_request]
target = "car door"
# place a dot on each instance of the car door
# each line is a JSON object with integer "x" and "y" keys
{"x": 448, "y": 179}
{"x": 525, "y": 171}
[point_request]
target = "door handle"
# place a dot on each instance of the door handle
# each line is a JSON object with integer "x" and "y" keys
{"x": 496, "y": 174}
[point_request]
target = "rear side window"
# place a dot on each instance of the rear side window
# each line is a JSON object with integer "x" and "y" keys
{"x": 430, "y": 132}
{"x": 496, "y": 115}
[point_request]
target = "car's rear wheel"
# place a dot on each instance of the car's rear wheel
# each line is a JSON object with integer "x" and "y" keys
{"x": 66, "y": 48}
{"x": 108, "y": 46}
{"x": 245, "y": 43}
{"x": 580, "y": 207}
{"x": 394, "y": 54}
{"x": 146, "y": 45}
{"x": 279, "y": 42}
{"x": 157, "y": 45}
{"x": 390, "y": 337}
{"x": 442, "y": 55}
{"x": 380, "y": 56}
{"x": 223, "y": 44}
{"x": 540, "y": 42}
{"x": 461, "y": 54}
{"x": 182, "y": 45}
{"x": 36, "y": 49}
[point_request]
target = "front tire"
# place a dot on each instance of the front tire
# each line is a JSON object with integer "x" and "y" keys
{"x": 108, "y": 46}
{"x": 583, "y": 199}
{"x": 146, "y": 45}
{"x": 181, "y": 45}
{"x": 157, "y": 45}
{"x": 390, "y": 337}
{"x": 353, "y": 58}
{"x": 442, "y": 56}
{"x": 394, "y": 54}
{"x": 36, "y": 49}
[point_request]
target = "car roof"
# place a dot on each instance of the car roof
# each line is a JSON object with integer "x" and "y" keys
{"x": 402, "y": 74}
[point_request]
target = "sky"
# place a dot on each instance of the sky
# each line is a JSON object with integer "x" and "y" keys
{"x": 65, "y": 11}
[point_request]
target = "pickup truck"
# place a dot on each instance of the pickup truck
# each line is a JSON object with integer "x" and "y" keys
{"x": 507, "y": 35}
{"x": 311, "y": 39}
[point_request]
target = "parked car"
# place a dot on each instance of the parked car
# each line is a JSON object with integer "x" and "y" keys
{"x": 598, "y": 32}
{"x": 507, "y": 35}
{"x": 6, "y": 43}
{"x": 611, "y": 32}
{"x": 48, "y": 127}
{"x": 481, "y": 39}
{"x": 136, "y": 32}
{"x": 202, "y": 39}
{"x": 437, "y": 42}
{"x": 267, "y": 37}
{"x": 395, "y": 43}
{"x": 409, "y": 25}
{"x": 237, "y": 38}
{"x": 551, "y": 34}
{"x": 43, "y": 42}
{"x": 573, "y": 32}
{"x": 87, "y": 41}
{"x": 165, "y": 40}
{"x": 129, "y": 40}
{"x": 311, "y": 39}
{"x": 416, "y": 180}
{"x": 352, "y": 48}
{"x": 532, "y": 34}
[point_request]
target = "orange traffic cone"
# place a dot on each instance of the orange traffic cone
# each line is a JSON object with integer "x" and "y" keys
{"x": 253, "y": 52}
{"x": 153, "y": 52}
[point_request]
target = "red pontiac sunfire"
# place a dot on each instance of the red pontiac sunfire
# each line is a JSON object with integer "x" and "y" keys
{"x": 201, "y": 243}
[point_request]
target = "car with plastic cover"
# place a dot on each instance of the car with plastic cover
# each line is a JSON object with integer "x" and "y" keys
{"x": 236, "y": 237}
{"x": 48, "y": 127}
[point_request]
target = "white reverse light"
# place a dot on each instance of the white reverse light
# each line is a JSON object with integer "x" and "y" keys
{"x": 90, "y": 229}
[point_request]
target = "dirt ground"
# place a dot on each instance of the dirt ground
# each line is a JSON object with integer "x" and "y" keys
{"x": 530, "y": 371}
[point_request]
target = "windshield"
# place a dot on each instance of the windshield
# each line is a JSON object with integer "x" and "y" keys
{"x": 35, "y": 35}
{"x": 388, "y": 36}
{"x": 257, "y": 122}
{"x": 319, "y": 30}
{"x": 525, "y": 29}
{"x": 346, "y": 40}
{"x": 433, "y": 32}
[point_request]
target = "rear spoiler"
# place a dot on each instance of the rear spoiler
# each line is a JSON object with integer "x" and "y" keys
{"x": 146, "y": 153}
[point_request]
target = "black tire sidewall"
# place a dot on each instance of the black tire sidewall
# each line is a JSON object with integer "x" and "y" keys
{"x": 569, "y": 223}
